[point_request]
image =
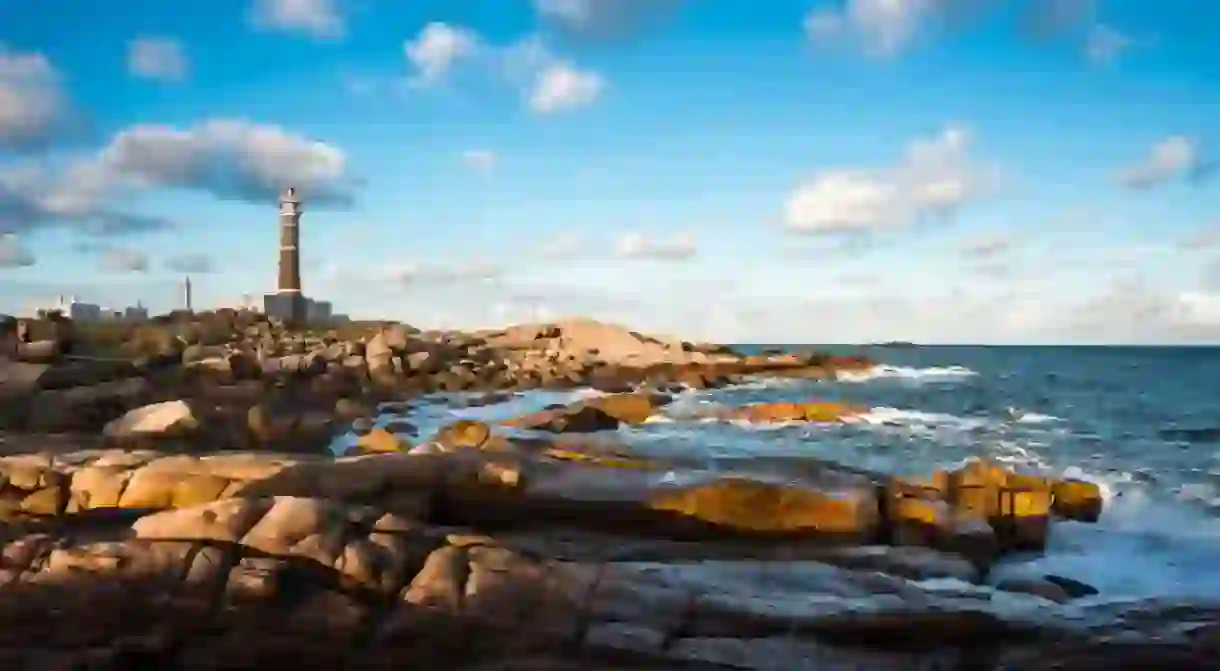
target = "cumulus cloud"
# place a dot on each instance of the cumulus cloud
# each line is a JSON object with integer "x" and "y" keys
{"x": 443, "y": 274}
{"x": 315, "y": 18}
{"x": 562, "y": 87}
{"x": 157, "y": 58}
{"x": 438, "y": 48}
{"x": 679, "y": 247}
{"x": 1171, "y": 158}
{"x": 32, "y": 102}
{"x": 882, "y": 28}
{"x": 551, "y": 84}
{"x": 1204, "y": 240}
{"x": 936, "y": 176}
{"x": 229, "y": 159}
{"x": 395, "y": 276}
{"x": 1104, "y": 45}
{"x": 1131, "y": 310}
{"x": 480, "y": 160}
{"x": 191, "y": 263}
{"x": 124, "y": 260}
{"x": 233, "y": 160}
{"x": 565, "y": 246}
{"x": 1209, "y": 275}
{"x": 601, "y": 19}
{"x": 13, "y": 254}
{"x": 1037, "y": 307}
{"x": 1050, "y": 18}
{"x": 988, "y": 247}
{"x": 32, "y": 197}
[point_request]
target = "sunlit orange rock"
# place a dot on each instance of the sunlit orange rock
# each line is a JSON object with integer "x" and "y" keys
{"x": 759, "y": 507}
{"x": 817, "y": 411}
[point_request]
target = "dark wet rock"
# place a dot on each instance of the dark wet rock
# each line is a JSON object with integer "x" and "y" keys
{"x": 1077, "y": 500}
{"x": 482, "y": 400}
{"x": 84, "y": 408}
{"x": 283, "y": 426}
{"x": 1040, "y": 588}
{"x": 401, "y": 426}
{"x": 1209, "y": 434}
{"x": 1073, "y": 588}
{"x": 351, "y": 409}
{"x": 578, "y": 419}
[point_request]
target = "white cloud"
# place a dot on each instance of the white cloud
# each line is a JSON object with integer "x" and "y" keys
{"x": 32, "y": 197}
{"x": 191, "y": 263}
{"x": 572, "y": 12}
{"x": 1200, "y": 309}
{"x": 13, "y": 254}
{"x": 842, "y": 200}
{"x": 679, "y": 247}
{"x": 157, "y": 58}
{"x": 316, "y": 18}
{"x": 602, "y": 18}
{"x": 438, "y": 48}
{"x": 1047, "y": 18}
{"x": 549, "y": 84}
{"x": 1104, "y": 45}
{"x": 227, "y": 158}
{"x": 474, "y": 270}
{"x": 936, "y": 176}
{"x": 562, "y": 87}
{"x": 1170, "y": 158}
{"x": 124, "y": 260}
{"x": 987, "y": 247}
{"x": 882, "y": 28}
{"x": 480, "y": 160}
{"x": 394, "y": 276}
{"x": 31, "y": 100}
{"x": 1037, "y": 304}
{"x": 563, "y": 247}
{"x": 233, "y": 160}
{"x": 1206, "y": 239}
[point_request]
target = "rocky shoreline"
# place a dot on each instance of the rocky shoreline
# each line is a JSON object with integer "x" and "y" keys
{"x": 177, "y": 503}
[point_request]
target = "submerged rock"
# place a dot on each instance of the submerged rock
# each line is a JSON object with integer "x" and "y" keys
{"x": 381, "y": 440}
{"x": 818, "y": 411}
{"x": 1077, "y": 500}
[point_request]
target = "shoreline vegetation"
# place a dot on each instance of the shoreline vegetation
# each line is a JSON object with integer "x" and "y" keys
{"x": 170, "y": 499}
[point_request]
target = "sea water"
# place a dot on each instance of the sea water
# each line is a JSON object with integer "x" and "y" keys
{"x": 1135, "y": 420}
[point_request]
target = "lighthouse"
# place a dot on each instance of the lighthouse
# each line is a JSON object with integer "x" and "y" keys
{"x": 290, "y": 242}
{"x": 288, "y": 303}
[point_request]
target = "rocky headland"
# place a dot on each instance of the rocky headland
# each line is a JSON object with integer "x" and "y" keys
{"x": 213, "y": 492}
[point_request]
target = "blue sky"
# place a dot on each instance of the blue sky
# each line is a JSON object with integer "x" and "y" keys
{"x": 783, "y": 171}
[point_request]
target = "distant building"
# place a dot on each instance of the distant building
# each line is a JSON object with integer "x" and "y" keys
{"x": 69, "y": 307}
{"x": 80, "y": 311}
{"x": 317, "y": 312}
{"x": 186, "y": 294}
{"x": 136, "y": 313}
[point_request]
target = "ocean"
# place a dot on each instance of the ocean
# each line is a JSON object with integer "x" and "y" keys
{"x": 1143, "y": 422}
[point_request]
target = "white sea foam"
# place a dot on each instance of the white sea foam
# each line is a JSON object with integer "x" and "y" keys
{"x": 1143, "y": 545}
{"x": 907, "y": 374}
{"x": 431, "y": 416}
{"x": 1037, "y": 418}
{"x": 886, "y": 416}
